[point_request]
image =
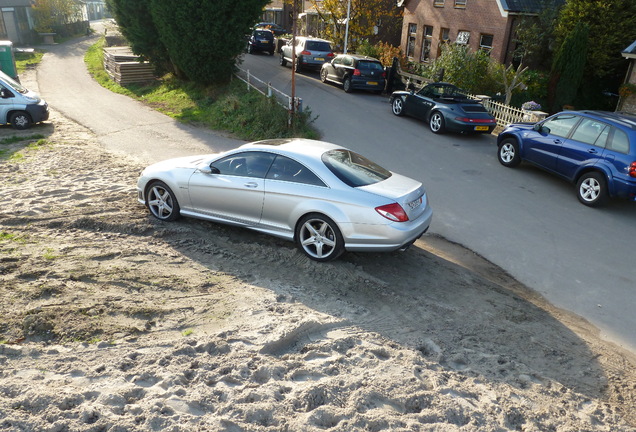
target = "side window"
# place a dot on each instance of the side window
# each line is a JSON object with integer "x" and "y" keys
{"x": 561, "y": 125}
{"x": 285, "y": 169}
{"x": 619, "y": 141}
{"x": 337, "y": 60}
{"x": 589, "y": 131}
{"x": 248, "y": 164}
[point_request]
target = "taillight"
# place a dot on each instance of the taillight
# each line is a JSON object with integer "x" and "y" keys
{"x": 471, "y": 120}
{"x": 304, "y": 53}
{"x": 356, "y": 72}
{"x": 383, "y": 74}
{"x": 331, "y": 55}
{"x": 632, "y": 169}
{"x": 393, "y": 212}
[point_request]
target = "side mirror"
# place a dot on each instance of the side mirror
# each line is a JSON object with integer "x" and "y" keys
{"x": 537, "y": 127}
{"x": 208, "y": 169}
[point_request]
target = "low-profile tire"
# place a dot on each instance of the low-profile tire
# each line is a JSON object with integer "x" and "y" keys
{"x": 20, "y": 120}
{"x": 161, "y": 202}
{"x": 397, "y": 106}
{"x": 591, "y": 189}
{"x": 318, "y": 237}
{"x": 282, "y": 60}
{"x": 436, "y": 123}
{"x": 346, "y": 85}
{"x": 508, "y": 153}
{"x": 323, "y": 75}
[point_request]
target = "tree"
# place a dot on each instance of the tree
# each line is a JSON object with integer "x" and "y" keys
{"x": 136, "y": 24}
{"x": 199, "y": 40}
{"x": 49, "y": 15}
{"x": 376, "y": 20}
{"x": 568, "y": 68}
{"x": 535, "y": 36}
{"x": 512, "y": 79}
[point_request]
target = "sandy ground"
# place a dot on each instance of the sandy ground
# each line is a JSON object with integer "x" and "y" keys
{"x": 113, "y": 321}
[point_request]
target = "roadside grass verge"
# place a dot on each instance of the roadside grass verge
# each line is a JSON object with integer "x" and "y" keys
{"x": 10, "y": 146}
{"x": 228, "y": 107}
{"x": 25, "y": 60}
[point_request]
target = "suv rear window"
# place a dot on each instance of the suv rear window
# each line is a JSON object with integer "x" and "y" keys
{"x": 317, "y": 46}
{"x": 353, "y": 169}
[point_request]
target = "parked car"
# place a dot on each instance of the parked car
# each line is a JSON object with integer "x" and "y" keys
{"x": 326, "y": 198}
{"x": 354, "y": 72}
{"x": 595, "y": 150}
{"x": 261, "y": 40}
{"x": 275, "y": 28}
{"x": 310, "y": 53}
{"x": 20, "y": 106}
{"x": 445, "y": 108}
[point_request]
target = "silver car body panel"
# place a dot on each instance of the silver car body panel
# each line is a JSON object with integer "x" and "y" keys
{"x": 274, "y": 206}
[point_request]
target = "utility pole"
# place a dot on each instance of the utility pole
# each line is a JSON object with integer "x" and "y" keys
{"x": 293, "y": 48}
{"x": 347, "y": 26}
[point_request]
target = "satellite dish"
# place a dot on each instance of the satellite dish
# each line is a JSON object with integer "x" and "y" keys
{"x": 400, "y": 3}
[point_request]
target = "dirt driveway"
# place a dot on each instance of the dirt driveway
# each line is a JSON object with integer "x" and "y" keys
{"x": 113, "y": 321}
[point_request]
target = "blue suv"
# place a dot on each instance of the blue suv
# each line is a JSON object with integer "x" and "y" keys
{"x": 596, "y": 150}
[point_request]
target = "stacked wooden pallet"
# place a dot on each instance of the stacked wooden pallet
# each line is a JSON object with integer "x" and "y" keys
{"x": 124, "y": 67}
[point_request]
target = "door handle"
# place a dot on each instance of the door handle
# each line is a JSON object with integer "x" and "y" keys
{"x": 251, "y": 185}
{"x": 592, "y": 151}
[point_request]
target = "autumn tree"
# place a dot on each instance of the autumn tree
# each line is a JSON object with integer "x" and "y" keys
{"x": 376, "y": 20}
{"x": 50, "y": 15}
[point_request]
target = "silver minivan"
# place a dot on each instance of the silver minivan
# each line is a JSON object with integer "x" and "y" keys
{"x": 20, "y": 106}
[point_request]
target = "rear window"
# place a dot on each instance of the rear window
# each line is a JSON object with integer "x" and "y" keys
{"x": 354, "y": 170}
{"x": 263, "y": 34}
{"x": 317, "y": 46}
{"x": 474, "y": 108}
{"x": 371, "y": 65}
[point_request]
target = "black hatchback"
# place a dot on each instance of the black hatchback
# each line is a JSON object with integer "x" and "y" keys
{"x": 261, "y": 40}
{"x": 354, "y": 72}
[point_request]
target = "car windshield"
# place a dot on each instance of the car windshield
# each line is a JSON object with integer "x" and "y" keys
{"x": 353, "y": 169}
{"x": 371, "y": 65}
{"x": 317, "y": 46}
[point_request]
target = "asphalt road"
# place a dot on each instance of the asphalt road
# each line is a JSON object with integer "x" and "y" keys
{"x": 524, "y": 220}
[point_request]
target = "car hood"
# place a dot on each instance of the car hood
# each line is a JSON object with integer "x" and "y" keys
{"x": 180, "y": 162}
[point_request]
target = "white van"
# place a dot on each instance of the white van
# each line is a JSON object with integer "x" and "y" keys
{"x": 20, "y": 106}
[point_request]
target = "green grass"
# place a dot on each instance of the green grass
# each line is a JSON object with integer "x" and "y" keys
{"x": 229, "y": 107}
{"x": 15, "y": 138}
{"x": 26, "y": 60}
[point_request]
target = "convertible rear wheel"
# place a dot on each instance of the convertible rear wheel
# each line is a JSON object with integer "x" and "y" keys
{"x": 592, "y": 189}
{"x": 397, "y": 106}
{"x": 161, "y": 202}
{"x": 436, "y": 123}
{"x": 319, "y": 238}
{"x": 508, "y": 153}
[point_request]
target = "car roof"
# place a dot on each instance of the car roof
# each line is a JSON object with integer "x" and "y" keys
{"x": 293, "y": 146}
{"x": 625, "y": 120}
{"x": 312, "y": 38}
{"x": 358, "y": 57}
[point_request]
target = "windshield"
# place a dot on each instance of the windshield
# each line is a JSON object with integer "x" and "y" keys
{"x": 353, "y": 169}
{"x": 13, "y": 84}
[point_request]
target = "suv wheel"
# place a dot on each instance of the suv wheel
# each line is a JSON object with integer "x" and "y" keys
{"x": 283, "y": 62}
{"x": 591, "y": 189}
{"x": 508, "y": 153}
{"x": 297, "y": 66}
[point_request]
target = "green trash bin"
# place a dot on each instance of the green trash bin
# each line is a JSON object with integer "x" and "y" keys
{"x": 7, "y": 59}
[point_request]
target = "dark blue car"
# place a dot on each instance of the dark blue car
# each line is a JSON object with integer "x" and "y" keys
{"x": 595, "y": 150}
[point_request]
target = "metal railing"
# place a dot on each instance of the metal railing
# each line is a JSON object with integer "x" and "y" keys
{"x": 266, "y": 89}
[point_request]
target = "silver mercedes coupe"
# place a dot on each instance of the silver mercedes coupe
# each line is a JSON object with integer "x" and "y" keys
{"x": 322, "y": 196}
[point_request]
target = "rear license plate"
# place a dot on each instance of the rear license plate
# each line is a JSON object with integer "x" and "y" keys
{"x": 265, "y": 41}
{"x": 319, "y": 58}
{"x": 481, "y": 128}
{"x": 415, "y": 204}
{"x": 372, "y": 83}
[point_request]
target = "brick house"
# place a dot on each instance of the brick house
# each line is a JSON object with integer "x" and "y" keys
{"x": 485, "y": 24}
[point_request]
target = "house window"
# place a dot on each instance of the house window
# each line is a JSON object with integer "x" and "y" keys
{"x": 444, "y": 37}
{"x": 410, "y": 47}
{"x": 460, "y": 4}
{"x": 485, "y": 42}
{"x": 426, "y": 43}
{"x": 438, "y": 3}
{"x": 463, "y": 37}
